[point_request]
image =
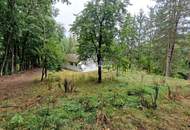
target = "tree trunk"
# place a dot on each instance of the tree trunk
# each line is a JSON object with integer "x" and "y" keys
{"x": 4, "y": 61}
{"x": 9, "y": 36}
{"x": 170, "y": 50}
{"x": 12, "y": 61}
{"x": 169, "y": 58}
{"x": 44, "y": 70}
{"x": 22, "y": 58}
{"x": 174, "y": 17}
{"x": 99, "y": 54}
{"x": 42, "y": 78}
{"x": 7, "y": 40}
{"x": 99, "y": 69}
{"x": 45, "y": 66}
{"x": 6, "y": 70}
{"x": 117, "y": 70}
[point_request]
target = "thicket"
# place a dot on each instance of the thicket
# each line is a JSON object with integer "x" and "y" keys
{"x": 29, "y": 36}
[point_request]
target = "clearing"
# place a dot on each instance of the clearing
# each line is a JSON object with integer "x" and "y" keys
{"x": 116, "y": 104}
{"x": 14, "y": 85}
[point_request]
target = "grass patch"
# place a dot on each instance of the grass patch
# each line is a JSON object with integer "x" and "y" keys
{"x": 114, "y": 104}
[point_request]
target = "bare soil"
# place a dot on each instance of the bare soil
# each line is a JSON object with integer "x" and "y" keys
{"x": 14, "y": 85}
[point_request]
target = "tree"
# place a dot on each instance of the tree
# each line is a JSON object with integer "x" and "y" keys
{"x": 9, "y": 26}
{"x": 52, "y": 56}
{"x": 118, "y": 57}
{"x": 141, "y": 27}
{"x": 128, "y": 38}
{"x": 168, "y": 15}
{"x": 25, "y": 27}
{"x": 96, "y": 27}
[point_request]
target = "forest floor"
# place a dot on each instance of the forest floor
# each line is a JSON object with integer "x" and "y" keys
{"x": 115, "y": 104}
{"x": 14, "y": 85}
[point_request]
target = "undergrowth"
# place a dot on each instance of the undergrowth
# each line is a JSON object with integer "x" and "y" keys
{"x": 130, "y": 101}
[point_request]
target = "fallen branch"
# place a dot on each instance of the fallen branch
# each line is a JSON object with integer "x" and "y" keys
{"x": 7, "y": 106}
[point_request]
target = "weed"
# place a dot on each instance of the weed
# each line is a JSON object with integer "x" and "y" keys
{"x": 90, "y": 104}
{"x": 68, "y": 86}
{"x": 16, "y": 121}
{"x": 174, "y": 94}
{"x": 102, "y": 120}
{"x": 126, "y": 102}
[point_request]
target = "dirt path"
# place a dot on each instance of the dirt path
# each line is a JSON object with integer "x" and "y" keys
{"x": 14, "y": 85}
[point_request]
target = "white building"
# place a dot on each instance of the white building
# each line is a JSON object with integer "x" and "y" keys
{"x": 72, "y": 62}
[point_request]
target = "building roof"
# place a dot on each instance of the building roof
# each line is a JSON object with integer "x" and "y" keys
{"x": 74, "y": 58}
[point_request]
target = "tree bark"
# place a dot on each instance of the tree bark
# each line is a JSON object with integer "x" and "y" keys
{"x": 42, "y": 78}
{"x": 4, "y": 61}
{"x": 22, "y": 59}
{"x": 7, "y": 40}
{"x": 117, "y": 70}
{"x": 9, "y": 36}
{"x": 99, "y": 55}
{"x": 99, "y": 68}
{"x": 169, "y": 58}
{"x": 44, "y": 70}
{"x": 170, "y": 49}
{"x": 175, "y": 15}
{"x": 12, "y": 61}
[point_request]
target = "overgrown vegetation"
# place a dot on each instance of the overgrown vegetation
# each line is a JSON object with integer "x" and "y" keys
{"x": 153, "y": 41}
{"x": 29, "y": 36}
{"x": 125, "y": 102}
{"x": 156, "y": 42}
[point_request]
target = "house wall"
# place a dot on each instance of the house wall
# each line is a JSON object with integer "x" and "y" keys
{"x": 71, "y": 67}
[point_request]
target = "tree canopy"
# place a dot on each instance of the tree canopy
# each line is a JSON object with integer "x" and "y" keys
{"x": 96, "y": 27}
{"x": 28, "y": 33}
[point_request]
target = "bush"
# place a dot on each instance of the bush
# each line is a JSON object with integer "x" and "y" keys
{"x": 68, "y": 86}
{"x": 16, "y": 121}
{"x": 89, "y": 103}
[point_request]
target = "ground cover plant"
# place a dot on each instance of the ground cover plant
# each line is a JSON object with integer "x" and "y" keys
{"x": 125, "y": 102}
{"x": 129, "y": 64}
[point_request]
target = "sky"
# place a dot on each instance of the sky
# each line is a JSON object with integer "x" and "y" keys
{"x": 66, "y": 12}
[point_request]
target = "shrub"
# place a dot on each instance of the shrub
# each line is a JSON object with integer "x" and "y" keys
{"x": 33, "y": 122}
{"x": 89, "y": 103}
{"x": 16, "y": 121}
{"x": 68, "y": 86}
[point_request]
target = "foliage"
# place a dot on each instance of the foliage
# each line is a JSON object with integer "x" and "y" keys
{"x": 53, "y": 50}
{"x": 16, "y": 121}
{"x": 157, "y": 43}
{"x": 96, "y": 28}
{"x": 118, "y": 58}
{"x": 26, "y": 27}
